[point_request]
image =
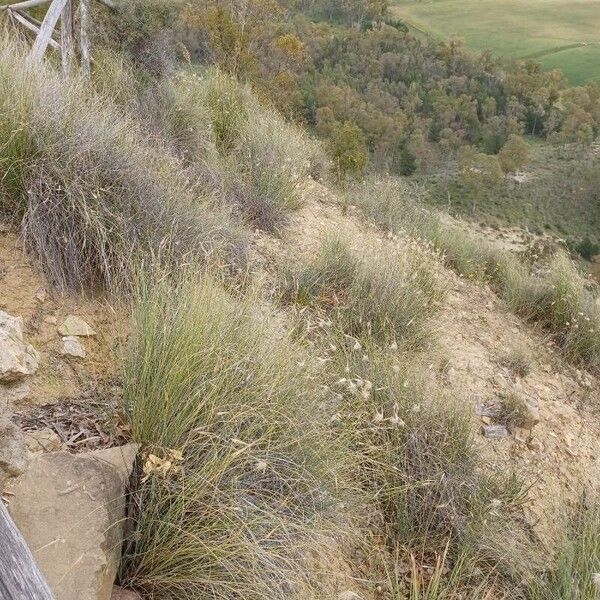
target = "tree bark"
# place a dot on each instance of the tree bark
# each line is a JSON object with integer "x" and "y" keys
{"x": 20, "y": 577}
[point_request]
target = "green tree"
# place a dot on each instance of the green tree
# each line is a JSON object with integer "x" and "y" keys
{"x": 478, "y": 172}
{"x": 348, "y": 149}
{"x": 514, "y": 155}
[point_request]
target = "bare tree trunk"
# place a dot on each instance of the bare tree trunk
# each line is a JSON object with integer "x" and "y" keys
{"x": 20, "y": 577}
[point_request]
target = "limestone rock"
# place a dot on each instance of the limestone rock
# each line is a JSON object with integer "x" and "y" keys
{"x": 13, "y": 452}
{"x": 72, "y": 347}
{"x": 75, "y": 326}
{"x": 494, "y": 431}
{"x": 70, "y": 510}
{"x": 120, "y": 593}
{"x": 349, "y": 595}
{"x": 10, "y": 393}
{"x": 43, "y": 440}
{"x": 17, "y": 359}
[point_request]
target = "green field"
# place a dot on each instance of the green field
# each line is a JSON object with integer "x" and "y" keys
{"x": 561, "y": 34}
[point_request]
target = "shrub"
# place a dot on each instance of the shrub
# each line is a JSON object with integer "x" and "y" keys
{"x": 94, "y": 197}
{"x": 514, "y": 155}
{"x": 233, "y": 490}
{"x": 348, "y": 150}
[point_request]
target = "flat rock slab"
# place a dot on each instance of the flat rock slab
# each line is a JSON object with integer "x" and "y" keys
{"x": 75, "y": 326}
{"x": 70, "y": 510}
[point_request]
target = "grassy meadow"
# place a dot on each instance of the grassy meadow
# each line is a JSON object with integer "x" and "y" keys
{"x": 559, "y": 33}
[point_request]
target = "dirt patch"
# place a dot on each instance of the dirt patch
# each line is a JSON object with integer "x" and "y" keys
{"x": 26, "y": 293}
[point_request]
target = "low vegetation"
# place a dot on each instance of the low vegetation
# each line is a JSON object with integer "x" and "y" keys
{"x": 391, "y": 304}
{"x": 411, "y": 445}
{"x": 555, "y": 295}
{"x": 236, "y": 463}
{"x": 93, "y": 197}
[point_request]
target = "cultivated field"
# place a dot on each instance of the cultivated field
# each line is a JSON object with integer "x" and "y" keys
{"x": 561, "y": 34}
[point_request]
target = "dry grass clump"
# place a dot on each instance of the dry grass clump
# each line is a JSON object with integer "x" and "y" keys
{"x": 390, "y": 300}
{"x": 573, "y": 574}
{"x": 518, "y": 360}
{"x": 268, "y": 158}
{"x": 257, "y": 160}
{"x": 95, "y": 199}
{"x": 237, "y": 470}
{"x": 414, "y": 456}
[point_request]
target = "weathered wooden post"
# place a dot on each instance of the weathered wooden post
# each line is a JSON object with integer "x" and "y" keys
{"x": 66, "y": 37}
{"x": 84, "y": 39}
{"x": 20, "y": 577}
{"x": 48, "y": 24}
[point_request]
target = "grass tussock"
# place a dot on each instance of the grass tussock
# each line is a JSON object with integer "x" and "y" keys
{"x": 268, "y": 159}
{"x": 216, "y": 396}
{"x": 556, "y": 296}
{"x": 415, "y": 457}
{"x": 390, "y": 301}
{"x": 94, "y": 197}
{"x": 574, "y": 571}
{"x": 247, "y": 151}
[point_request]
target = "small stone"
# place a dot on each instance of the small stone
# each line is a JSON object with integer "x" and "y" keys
{"x": 73, "y": 347}
{"x": 41, "y": 295}
{"x": 50, "y": 320}
{"x": 486, "y": 420}
{"x": 494, "y": 431}
{"x": 535, "y": 445}
{"x": 11, "y": 393}
{"x": 17, "y": 359}
{"x": 521, "y": 434}
{"x": 349, "y": 595}
{"x": 119, "y": 593}
{"x": 75, "y": 326}
{"x": 43, "y": 440}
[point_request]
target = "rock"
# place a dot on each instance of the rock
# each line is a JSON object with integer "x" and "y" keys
{"x": 531, "y": 414}
{"x": 10, "y": 393}
{"x": 50, "y": 320}
{"x": 120, "y": 593}
{"x": 17, "y": 359}
{"x": 72, "y": 347}
{"x": 70, "y": 509}
{"x": 13, "y": 452}
{"x": 349, "y": 595}
{"x": 43, "y": 440}
{"x": 74, "y": 325}
{"x": 535, "y": 445}
{"x": 494, "y": 431}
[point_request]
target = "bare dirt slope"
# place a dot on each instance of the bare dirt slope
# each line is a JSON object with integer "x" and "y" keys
{"x": 25, "y": 293}
{"x": 476, "y": 334}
